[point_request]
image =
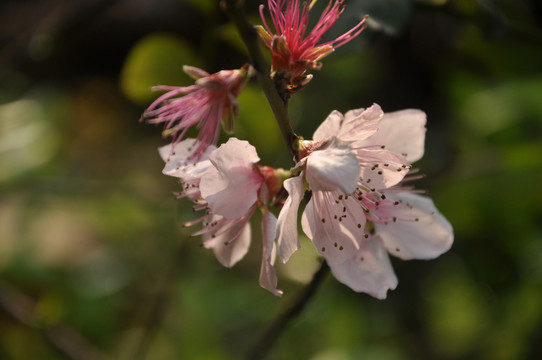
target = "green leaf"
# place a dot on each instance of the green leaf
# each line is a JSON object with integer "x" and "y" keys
{"x": 156, "y": 59}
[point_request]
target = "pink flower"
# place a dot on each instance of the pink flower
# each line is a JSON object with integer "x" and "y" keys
{"x": 355, "y": 230}
{"x": 207, "y": 103}
{"x": 332, "y": 164}
{"x": 229, "y": 186}
{"x": 293, "y": 49}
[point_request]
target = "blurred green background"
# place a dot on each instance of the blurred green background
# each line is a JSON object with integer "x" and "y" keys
{"x": 94, "y": 262}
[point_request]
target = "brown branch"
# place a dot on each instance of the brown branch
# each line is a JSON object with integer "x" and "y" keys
{"x": 267, "y": 339}
{"x": 250, "y": 38}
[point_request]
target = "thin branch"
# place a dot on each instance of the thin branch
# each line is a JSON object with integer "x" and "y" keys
{"x": 266, "y": 341}
{"x": 250, "y": 38}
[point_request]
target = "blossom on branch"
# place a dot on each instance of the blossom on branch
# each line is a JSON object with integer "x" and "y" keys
{"x": 212, "y": 100}
{"x": 355, "y": 220}
{"x": 295, "y": 49}
{"x": 229, "y": 186}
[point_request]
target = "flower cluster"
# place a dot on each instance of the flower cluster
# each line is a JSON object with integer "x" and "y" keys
{"x": 356, "y": 167}
{"x": 360, "y": 209}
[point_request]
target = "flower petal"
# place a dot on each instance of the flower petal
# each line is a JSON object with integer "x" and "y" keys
{"x": 179, "y": 162}
{"x": 194, "y": 72}
{"x": 334, "y": 226}
{"x": 268, "y": 275}
{"x": 369, "y": 271}
{"x": 402, "y": 132}
{"x": 420, "y": 231}
{"x": 287, "y": 233}
{"x": 233, "y": 154}
{"x": 329, "y": 127}
{"x": 232, "y": 245}
{"x": 334, "y": 166}
{"x": 359, "y": 124}
{"x": 381, "y": 169}
{"x": 231, "y": 187}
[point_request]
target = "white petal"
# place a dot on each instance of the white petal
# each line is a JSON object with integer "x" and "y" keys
{"x": 381, "y": 169}
{"x": 329, "y": 127}
{"x": 231, "y": 187}
{"x": 234, "y": 153}
{"x": 402, "y": 132}
{"x": 334, "y": 226}
{"x": 186, "y": 172}
{"x": 360, "y": 124}
{"x": 182, "y": 151}
{"x": 420, "y": 231}
{"x": 232, "y": 245}
{"x": 369, "y": 271}
{"x": 268, "y": 276}
{"x": 287, "y": 233}
{"x": 334, "y": 166}
{"x": 178, "y": 162}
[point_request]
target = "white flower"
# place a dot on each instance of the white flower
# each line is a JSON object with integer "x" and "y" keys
{"x": 354, "y": 227}
{"x": 229, "y": 186}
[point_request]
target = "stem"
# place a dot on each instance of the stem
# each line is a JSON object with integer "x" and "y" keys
{"x": 250, "y": 38}
{"x": 268, "y": 338}
{"x": 279, "y": 107}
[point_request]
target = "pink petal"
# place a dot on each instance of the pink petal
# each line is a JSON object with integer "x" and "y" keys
{"x": 335, "y": 224}
{"x": 381, "y": 169}
{"x": 232, "y": 245}
{"x": 329, "y": 127}
{"x": 334, "y": 166}
{"x": 287, "y": 233}
{"x": 369, "y": 271}
{"x": 233, "y": 154}
{"x": 231, "y": 187}
{"x": 194, "y": 72}
{"x": 360, "y": 124}
{"x": 268, "y": 276}
{"x": 420, "y": 231}
{"x": 402, "y": 132}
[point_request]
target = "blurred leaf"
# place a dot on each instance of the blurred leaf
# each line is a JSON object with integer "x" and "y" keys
{"x": 228, "y": 33}
{"x": 519, "y": 319}
{"x": 157, "y": 59}
{"x": 20, "y": 344}
{"x": 50, "y": 309}
{"x": 257, "y": 124}
{"x": 488, "y": 108}
{"x": 458, "y": 312}
{"x": 29, "y": 134}
{"x": 206, "y": 7}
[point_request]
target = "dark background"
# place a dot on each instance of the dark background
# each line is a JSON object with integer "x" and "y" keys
{"x": 93, "y": 258}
